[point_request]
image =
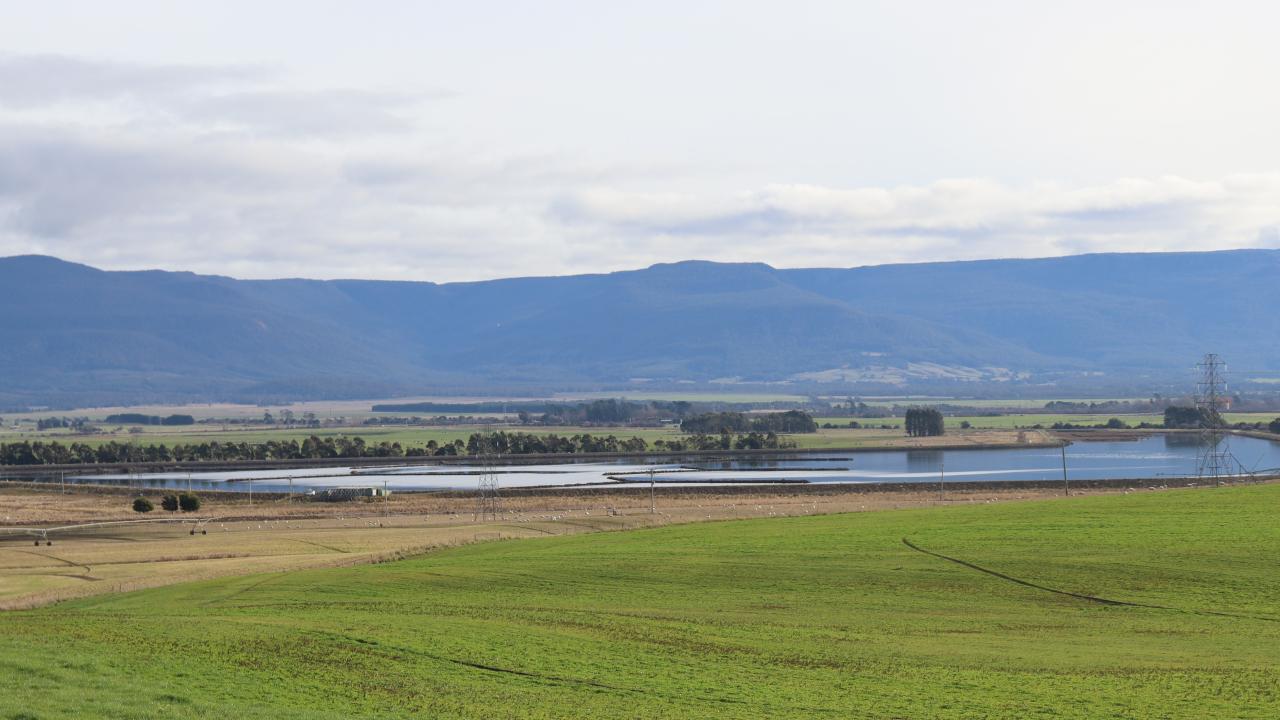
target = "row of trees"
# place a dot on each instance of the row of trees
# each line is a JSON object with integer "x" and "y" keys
{"x": 186, "y": 502}
{"x": 504, "y": 443}
{"x": 924, "y": 422}
{"x": 56, "y": 453}
{"x": 78, "y": 424}
{"x": 498, "y": 443}
{"x": 141, "y": 419}
{"x": 724, "y": 441}
{"x": 791, "y": 421}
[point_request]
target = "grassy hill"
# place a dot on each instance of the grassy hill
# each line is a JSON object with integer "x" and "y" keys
{"x": 830, "y": 616}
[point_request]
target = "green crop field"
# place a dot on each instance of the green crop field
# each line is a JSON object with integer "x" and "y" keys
{"x": 1028, "y": 404}
{"x": 673, "y": 396}
{"x": 1015, "y": 420}
{"x": 821, "y": 616}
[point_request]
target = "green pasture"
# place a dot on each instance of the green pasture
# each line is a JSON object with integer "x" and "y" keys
{"x": 1010, "y": 421}
{"x": 675, "y": 396}
{"x": 1028, "y": 404}
{"x": 840, "y": 436}
{"x": 817, "y": 616}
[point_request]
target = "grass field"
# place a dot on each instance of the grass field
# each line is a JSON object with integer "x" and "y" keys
{"x": 824, "y": 616}
{"x": 418, "y": 436}
{"x": 1045, "y": 419}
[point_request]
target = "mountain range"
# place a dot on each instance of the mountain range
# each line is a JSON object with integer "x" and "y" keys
{"x": 73, "y": 335}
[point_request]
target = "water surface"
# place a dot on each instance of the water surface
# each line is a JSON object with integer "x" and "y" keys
{"x": 1156, "y": 456}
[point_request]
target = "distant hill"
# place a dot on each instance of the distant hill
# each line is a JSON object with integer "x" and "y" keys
{"x": 73, "y": 334}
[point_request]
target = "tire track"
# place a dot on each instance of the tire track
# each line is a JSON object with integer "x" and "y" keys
{"x": 65, "y": 561}
{"x": 1081, "y": 596}
{"x": 319, "y": 545}
{"x": 241, "y": 591}
{"x": 555, "y": 679}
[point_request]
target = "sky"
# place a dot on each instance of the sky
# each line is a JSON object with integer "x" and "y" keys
{"x": 465, "y": 141}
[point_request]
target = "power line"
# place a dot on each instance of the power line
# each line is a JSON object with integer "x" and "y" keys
{"x": 1211, "y": 399}
{"x": 487, "y": 491}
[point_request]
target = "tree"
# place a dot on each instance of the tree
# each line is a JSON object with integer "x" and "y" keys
{"x": 142, "y": 505}
{"x": 188, "y": 502}
{"x": 1191, "y": 417}
{"x": 1275, "y": 426}
{"x": 170, "y": 503}
{"x": 1116, "y": 424}
{"x": 924, "y": 422}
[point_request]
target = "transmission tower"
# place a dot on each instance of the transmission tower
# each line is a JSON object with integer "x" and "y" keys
{"x": 487, "y": 491}
{"x": 1211, "y": 399}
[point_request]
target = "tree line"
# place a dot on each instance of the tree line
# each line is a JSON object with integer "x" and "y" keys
{"x": 497, "y": 443}
{"x": 141, "y": 419}
{"x": 715, "y": 423}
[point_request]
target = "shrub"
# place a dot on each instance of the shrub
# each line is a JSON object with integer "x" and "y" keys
{"x": 189, "y": 502}
{"x": 170, "y": 503}
{"x": 1275, "y": 426}
{"x": 142, "y": 505}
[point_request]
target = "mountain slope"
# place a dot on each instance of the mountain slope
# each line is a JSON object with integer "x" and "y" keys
{"x": 75, "y": 334}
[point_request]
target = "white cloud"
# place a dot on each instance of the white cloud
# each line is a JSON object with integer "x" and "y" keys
{"x": 233, "y": 170}
{"x": 952, "y": 219}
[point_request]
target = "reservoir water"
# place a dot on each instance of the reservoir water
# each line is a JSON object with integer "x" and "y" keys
{"x": 1155, "y": 457}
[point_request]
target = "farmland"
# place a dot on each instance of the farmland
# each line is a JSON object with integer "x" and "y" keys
{"x": 239, "y": 536}
{"x": 419, "y": 436}
{"x": 810, "y": 616}
{"x": 226, "y": 423}
{"x": 1016, "y": 420}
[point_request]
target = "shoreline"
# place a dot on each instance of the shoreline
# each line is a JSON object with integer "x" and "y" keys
{"x": 1049, "y": 439}
{"x": 533, "y": 458}
{"x": 107, "y": 502}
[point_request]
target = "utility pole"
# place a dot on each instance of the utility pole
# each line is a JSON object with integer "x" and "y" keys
{"x": 1066, "y": 488}
{"x": 386, "y": 512}
{"x": 942, "y": 479}
{"x": 250, "y": 492}
{"x": 290, "y": 488}
{"x": 653, "y": 508}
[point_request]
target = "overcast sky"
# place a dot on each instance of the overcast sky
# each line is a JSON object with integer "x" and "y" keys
{"x": 471, "y": 140}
